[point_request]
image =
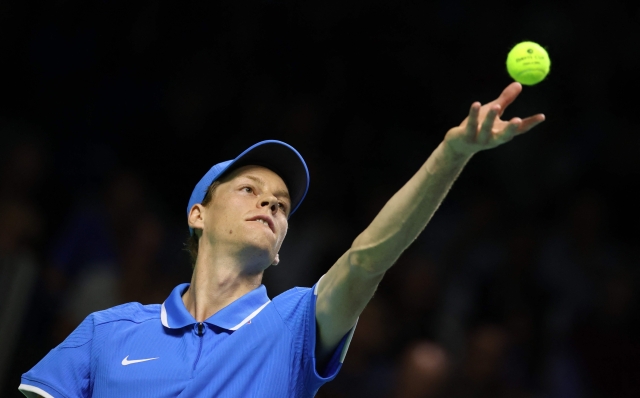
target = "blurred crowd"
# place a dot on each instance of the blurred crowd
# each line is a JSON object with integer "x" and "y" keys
{"x": 524, "y": 284}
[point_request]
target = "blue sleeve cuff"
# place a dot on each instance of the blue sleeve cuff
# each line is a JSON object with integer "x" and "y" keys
{"x": 335, "y": 363}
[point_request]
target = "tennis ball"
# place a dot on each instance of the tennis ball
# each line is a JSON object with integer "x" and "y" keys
{"x": 528, "y": 63}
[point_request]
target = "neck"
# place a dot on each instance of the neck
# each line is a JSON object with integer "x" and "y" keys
{"x": 216, "y": 284}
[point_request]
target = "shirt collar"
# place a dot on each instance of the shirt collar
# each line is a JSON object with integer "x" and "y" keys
{"x": 174, "y": 314}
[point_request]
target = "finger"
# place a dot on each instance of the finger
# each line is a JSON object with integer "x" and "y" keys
{"x": 508, "y": 95}
{"x": 487, "y": 124}
{"x": 530, "y": 122}
{"x": 472, "y": 121}
{"x": 511, "y": 130}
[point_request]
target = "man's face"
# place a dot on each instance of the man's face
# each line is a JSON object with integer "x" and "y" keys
{"x": 248, "y": 214}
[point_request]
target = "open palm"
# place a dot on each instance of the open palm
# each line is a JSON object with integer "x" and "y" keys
{"x": 483, "y": 128}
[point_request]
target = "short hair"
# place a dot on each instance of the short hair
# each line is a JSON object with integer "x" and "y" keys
{"x": 193, "y": 241}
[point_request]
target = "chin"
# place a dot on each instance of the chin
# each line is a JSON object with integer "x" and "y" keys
{"x": 257, "y": 267}
{"x": 261, "y": 251}
{"x": 263, "y": 242}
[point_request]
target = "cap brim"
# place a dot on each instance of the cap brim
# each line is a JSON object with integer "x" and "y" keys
{"x": 282, "y": 159}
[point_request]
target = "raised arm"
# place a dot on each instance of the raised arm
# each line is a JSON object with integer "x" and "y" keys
{"x": 350, "y": 283}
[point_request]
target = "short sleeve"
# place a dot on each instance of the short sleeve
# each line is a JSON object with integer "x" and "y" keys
{"x": 66, "y": 370}
{"x": 298, "y": 309}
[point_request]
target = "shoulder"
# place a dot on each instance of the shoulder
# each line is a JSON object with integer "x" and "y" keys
{"x": 132, "y": 312}
{"x": 292, "y": 296}
{"x": 294, "y": 303}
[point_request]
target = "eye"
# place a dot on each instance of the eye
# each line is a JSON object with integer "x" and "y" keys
{"x": 282, "y": 206}
{"x": 248, "y": 189}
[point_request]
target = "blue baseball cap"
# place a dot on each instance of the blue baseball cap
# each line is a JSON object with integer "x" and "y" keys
{"x": 277, "y": 156}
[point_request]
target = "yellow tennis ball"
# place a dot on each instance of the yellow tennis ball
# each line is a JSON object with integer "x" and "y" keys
{"x": 528, "y": 63}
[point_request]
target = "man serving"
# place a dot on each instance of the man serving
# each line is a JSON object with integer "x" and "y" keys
{"x": 221, "y": 335}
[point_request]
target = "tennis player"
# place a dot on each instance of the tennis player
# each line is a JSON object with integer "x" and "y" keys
{"x": 221, "y": 335}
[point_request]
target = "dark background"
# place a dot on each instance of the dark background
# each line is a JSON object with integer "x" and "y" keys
{"x": 525, "y": 283}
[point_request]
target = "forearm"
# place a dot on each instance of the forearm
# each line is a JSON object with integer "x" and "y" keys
{"x": 352, "y": 280}
{"x": 407, "y": 213}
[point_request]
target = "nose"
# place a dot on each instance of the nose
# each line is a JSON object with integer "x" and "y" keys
{"x": 271, "y": 202}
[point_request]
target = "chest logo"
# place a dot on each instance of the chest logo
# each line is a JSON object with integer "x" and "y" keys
{"x": 126, "y": 360}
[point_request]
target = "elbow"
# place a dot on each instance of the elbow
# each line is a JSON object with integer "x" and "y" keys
{"x": 369, "y": 260}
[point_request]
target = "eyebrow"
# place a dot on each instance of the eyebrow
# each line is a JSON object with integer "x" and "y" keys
{"x": 261, "y": 182}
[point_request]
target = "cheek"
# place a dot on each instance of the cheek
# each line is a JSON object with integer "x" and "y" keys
{"x": 283, "y": 233}
{"x": 218, "y": 221}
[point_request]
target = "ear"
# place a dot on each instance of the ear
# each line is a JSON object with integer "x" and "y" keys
{"x": 196, "y": 217}
{"x": 276, "y": 260}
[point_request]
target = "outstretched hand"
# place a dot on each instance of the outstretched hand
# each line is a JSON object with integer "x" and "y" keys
{"x": 483, "y": 128}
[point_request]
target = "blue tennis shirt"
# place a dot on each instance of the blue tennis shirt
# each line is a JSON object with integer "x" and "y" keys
{"x": 254, "y": 347}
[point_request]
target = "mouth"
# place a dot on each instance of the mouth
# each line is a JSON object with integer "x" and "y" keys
{"x": 265, "y": 221}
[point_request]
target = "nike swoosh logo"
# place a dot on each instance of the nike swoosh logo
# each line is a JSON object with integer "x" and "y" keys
{"x": 126, "y": 360}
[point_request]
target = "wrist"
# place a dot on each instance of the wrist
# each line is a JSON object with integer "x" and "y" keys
{"x": 444, "y": 158}
{"x": 450, "y": 154}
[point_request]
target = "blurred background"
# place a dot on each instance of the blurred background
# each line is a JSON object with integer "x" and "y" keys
{"x": 525, "y": 283}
